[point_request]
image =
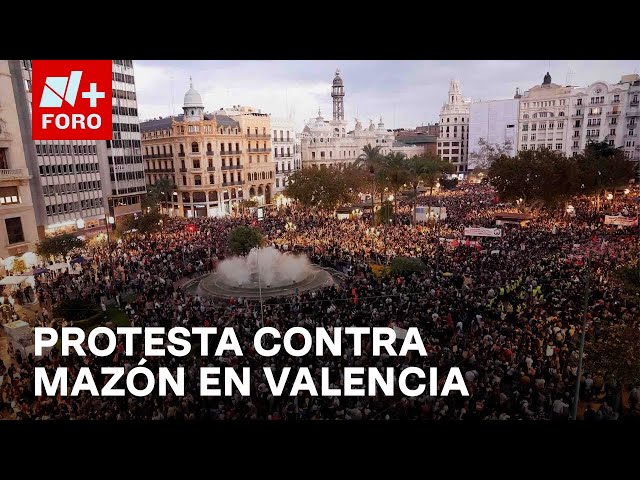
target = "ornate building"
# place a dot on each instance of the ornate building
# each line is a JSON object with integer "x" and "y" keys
{"x": 453, "y": 138}
{"x": 327, "y": 142}
{"x": 214, "y": 160}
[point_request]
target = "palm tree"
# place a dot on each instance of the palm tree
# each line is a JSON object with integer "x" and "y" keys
{"x": 371, "y": 159}
{"x": 426, "y": 169}
{"x": 158, "y": 193}
{"x": 396, "y": 174}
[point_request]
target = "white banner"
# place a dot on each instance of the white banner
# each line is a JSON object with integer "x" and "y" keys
{"x": 620, "y": 220}
{"x": 482, "y": 232}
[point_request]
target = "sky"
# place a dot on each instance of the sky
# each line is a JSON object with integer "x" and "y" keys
{"x": 406, "y": 93}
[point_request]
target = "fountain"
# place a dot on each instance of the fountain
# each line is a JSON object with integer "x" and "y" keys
{"x": 266, "y": 269}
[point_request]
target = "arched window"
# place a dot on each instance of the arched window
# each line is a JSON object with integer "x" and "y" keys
{"x": 194, "y": 147}
{"x": 561, "y": 114}
{"x": 209, "y": 148}
{"x": 197, "y": 180}
{"x": 182, "y": 149}
{"x": 212, "y": 179}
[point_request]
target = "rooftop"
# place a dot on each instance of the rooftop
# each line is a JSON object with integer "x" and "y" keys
{"x": 164, "y": 123}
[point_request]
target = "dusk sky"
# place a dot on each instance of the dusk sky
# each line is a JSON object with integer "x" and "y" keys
{"x": 406, "y": 93}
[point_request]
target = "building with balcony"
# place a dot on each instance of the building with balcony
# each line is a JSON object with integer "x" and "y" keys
{"x": 284, "y": 146}
{"x": 631, "y": 143}
{"x": 453, "y": 137}
{"x": 329, "y": 143}
{"x": 598, "y": 114}
{"x": 18, "y": 231}
{"x": 76, "y": 185}
{"x": 545, "y": 117}
{"x": 215, "y": 160}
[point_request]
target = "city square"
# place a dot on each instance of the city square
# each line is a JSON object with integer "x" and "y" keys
{"x": 504, "y": 236}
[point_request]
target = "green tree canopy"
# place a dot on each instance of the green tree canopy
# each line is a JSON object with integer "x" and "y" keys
{"x": 535, "y": 176}
{"x": 407, "y": 265}
{"x": 487, "y": 153}
{"x": 159, "y": 192}
{"x": 324, "y": 187}
{"x": 242, "y": 239}
{"x": 58, "y": 245}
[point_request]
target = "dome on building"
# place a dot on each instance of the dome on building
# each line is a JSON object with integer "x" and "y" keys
{"x": 337, "y": 81}
{"x": 192, "y": 98}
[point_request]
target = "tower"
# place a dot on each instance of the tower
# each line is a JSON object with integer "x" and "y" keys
{"x": 455, "y": 96}
{"x": 337, "y": 93}
{"x": 193, "y": 107}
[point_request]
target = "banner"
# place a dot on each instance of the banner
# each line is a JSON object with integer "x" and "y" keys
{"x": 620, "y": 220}
{"x": 482, "y": 232}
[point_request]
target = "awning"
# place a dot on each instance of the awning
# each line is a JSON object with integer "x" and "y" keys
{"x": 13, "y": 280}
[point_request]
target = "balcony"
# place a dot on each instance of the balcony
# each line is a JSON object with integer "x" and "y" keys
{"x": 613, "y": 112}
{"x": 13, "y": 174}
{"x": 577, "y": 115}
{"x": 615, "y": 101}
{"x": 210, "y": 153}
{"x": 211, "y": 169}
{"x": 231, "y": 152}
{"x": 183, "y": 170}
{"x": 575, "y": 147}
{"x": 258, "y": 150}
{"x": 232, "y": 184}
{"x": 181, "y": 154}
{"x": 286, "y": 156}
{"x": 231, "y": 167}
{"x": 634, "y": 103}
{"x": 631, "y": 135}
{"x": 258, "y": 135}
{"x": 592, "y": 114}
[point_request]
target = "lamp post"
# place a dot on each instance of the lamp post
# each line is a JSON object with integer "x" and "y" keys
{"x": 109, "y": 221}
{"x": 576, "y": 398}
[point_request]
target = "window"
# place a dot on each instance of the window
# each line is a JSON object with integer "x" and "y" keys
{"x": 575, "y": 144}
{"x": 533, "y": 136}
{"x": 525, "y": 127}
{"x": 561, "y": 114}
{"x": 632, "y": 133}
{"x": 612, "y": 131}
{"x": 4, "y": 163}
{"x": 209, "y": 149}
{"x": 611, "y": 143}
{"x": 558, "y": 146}
{"x": 525, "y": 138}
{"x": 9, "y": 195}
{"x": 14, "y": 230}
{"x": 196, "y": 163}
{"x": 524, "y": 147}
{"x": 560, "y": 125}
{"x": 579, "y": 101}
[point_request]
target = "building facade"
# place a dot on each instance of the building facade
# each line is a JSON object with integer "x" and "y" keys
{"x": 494, "y": 121}
{"x": 121, "y": 163}
{"x": 422, "y": 137}
{"x": 545, "y": 117}
{"x": 73, "y": 183}
{"x": 453, "y": 137}
{"x": 18, "y": 231}
{"x": 632, "y": 117}
{"x": 284, "y": 151}
{"x": 329, "y": 143}
{"x": 214, "y": 160}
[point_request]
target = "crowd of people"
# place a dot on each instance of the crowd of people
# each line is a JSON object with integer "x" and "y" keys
{"x": 506, "y": 310}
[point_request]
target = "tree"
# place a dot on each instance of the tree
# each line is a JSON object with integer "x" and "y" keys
{"x": 242, "y": 239}
{"x": 157, "y": 194}
{"x": 148, "y": 222}
{"x": 426, "y": 169}
{"x": 396, "y": 174}
{"x": 58, "y": 245}
{"x": 407, "y": 265}
{"x": 373, "y": 161}
{"x": 602, "y": 167}
{"x": 535, "y": 176}
{"x": 487, "y": 153}
{"x": 323, "y": 187}
{"x": 385, "y": 213}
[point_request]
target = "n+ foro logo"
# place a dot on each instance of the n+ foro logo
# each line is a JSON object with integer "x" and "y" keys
{"x": 71, "y": 100}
